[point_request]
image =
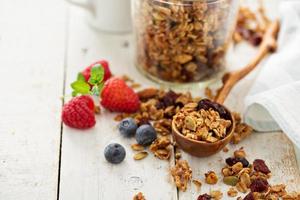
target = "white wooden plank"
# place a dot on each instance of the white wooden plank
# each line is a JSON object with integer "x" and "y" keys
{"x": 85, "y": 174}
{"x": 32, "y": 38}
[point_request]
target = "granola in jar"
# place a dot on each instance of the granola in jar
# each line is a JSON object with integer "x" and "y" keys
{"x": 183, "y": 40}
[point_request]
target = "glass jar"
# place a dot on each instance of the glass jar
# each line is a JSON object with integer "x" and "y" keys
{"x": 183, "y": 41}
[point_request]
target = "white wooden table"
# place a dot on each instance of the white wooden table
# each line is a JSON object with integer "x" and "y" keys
{"x": 43, "y": 44}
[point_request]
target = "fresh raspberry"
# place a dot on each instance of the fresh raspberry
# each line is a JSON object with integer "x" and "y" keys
{"x": 79, "y": 112}
{"x": 107, "y": 74}
{"x": 117, "y": 96}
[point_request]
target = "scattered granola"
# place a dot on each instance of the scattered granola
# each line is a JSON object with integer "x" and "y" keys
{"x": 211, "y": 177}
{"x": 241, "y": 131}
{"x": 162, "y": 148}
{"x": 216, "y": 194}
{"x": 97, "y": 110}
{"x": 140, "y": 155}
{"x": 182, "y": 174}
{"x": 182, "y": 41}
{"x": 225, "y": 149}
{"x": 245, "y": 177}
{"x": 139, "y": 196}
{"x": 232, "y": 192}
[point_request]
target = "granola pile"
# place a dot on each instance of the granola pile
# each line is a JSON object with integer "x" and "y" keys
{"x": 201, "y": 125}
{"x": 183, "y": 40}
{"x": 248, "y": 178}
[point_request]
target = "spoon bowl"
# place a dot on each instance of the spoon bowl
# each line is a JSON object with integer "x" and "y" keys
{"x": 202, "y": 148}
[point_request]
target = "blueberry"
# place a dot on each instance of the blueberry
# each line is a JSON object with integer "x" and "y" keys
{"x": 127, "y": 127}
{"x": 114, "y": 153}
{"x": 145, "y": 134}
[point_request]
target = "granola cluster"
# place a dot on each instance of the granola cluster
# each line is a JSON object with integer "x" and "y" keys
{"x": 162, "y": 148}
{"x": 183, "y": 40}
{"x": 182, "y": 174}
{"x": 139, "y": 196}
{"x": 251, "y": 26}
{"x": 201, "y": 125}
{"x": 241, "y": 131}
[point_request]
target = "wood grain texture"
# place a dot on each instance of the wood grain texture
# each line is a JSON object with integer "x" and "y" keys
{"x": 85, "y": 174}
{"x": 32, "y": 38}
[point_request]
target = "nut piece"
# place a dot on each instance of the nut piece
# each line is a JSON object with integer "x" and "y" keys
{"x": 139, "y": 196}
{"x": 216, "y": 194}
{"x": 182, "y": 174}
{"x": 197, "y": 183}
{"x": 232, "y": 192}
{"x": 137, "y": 147}
{"x": 211, "y": 178}
{"x": 240, "y": 153}
{"x": 231, "y": 180}
{"x": 140, "y": 155}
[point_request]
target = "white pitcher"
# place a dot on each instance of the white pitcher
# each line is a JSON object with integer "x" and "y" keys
{"x": 108, "y": 15}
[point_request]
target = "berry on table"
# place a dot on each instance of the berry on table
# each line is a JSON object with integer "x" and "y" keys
{"x": 127, "y": 127}
{"x": 114, "y": 153}
{"x": 118, "y": 97}
{"x": 79, "y": 113}
{"x": 145, "y": 135}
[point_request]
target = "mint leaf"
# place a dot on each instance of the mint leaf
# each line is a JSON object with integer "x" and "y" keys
{"x": 80, "y": 87}
{"x": 97, "y": 75}
{"x": 80, "y": 77}
{"x": 100, "y": 86}
{"x": 97, "y": 89}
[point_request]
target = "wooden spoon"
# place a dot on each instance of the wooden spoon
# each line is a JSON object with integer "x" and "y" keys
{"x": 268, "y": 45}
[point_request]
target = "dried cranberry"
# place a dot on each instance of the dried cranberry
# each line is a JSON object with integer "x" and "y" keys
{"x": 207, "y": 104}
{"x": 204, "y": 197}
{"x": 260, "y": 166}
{"x": 170, "y": 98}
{"x": 259, "y": 185}
{"x": 231, "y": 161}
{"x": 249, "y": 196}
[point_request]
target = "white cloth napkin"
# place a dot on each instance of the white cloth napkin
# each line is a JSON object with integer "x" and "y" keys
{"x": 273, "y": 102}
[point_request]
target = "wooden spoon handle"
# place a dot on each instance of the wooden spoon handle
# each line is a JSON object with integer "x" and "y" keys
{"x": 268, "y": 45}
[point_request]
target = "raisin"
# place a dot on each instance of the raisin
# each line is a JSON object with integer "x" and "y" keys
{"x": 204, "y": 197}
{"x": 170, "y": 98}
{"x": 259, "y": 185}
{"x": 249, "y": 196}
{"x": 204, "y": 104}
{"x": 231, "y": 161}
{"x": 260, "y": 166}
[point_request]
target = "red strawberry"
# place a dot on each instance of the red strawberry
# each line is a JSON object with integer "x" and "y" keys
{"x": 107, "y": 74}
{"x": 117, "y": 96}
{"x": 79, "y": 112}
